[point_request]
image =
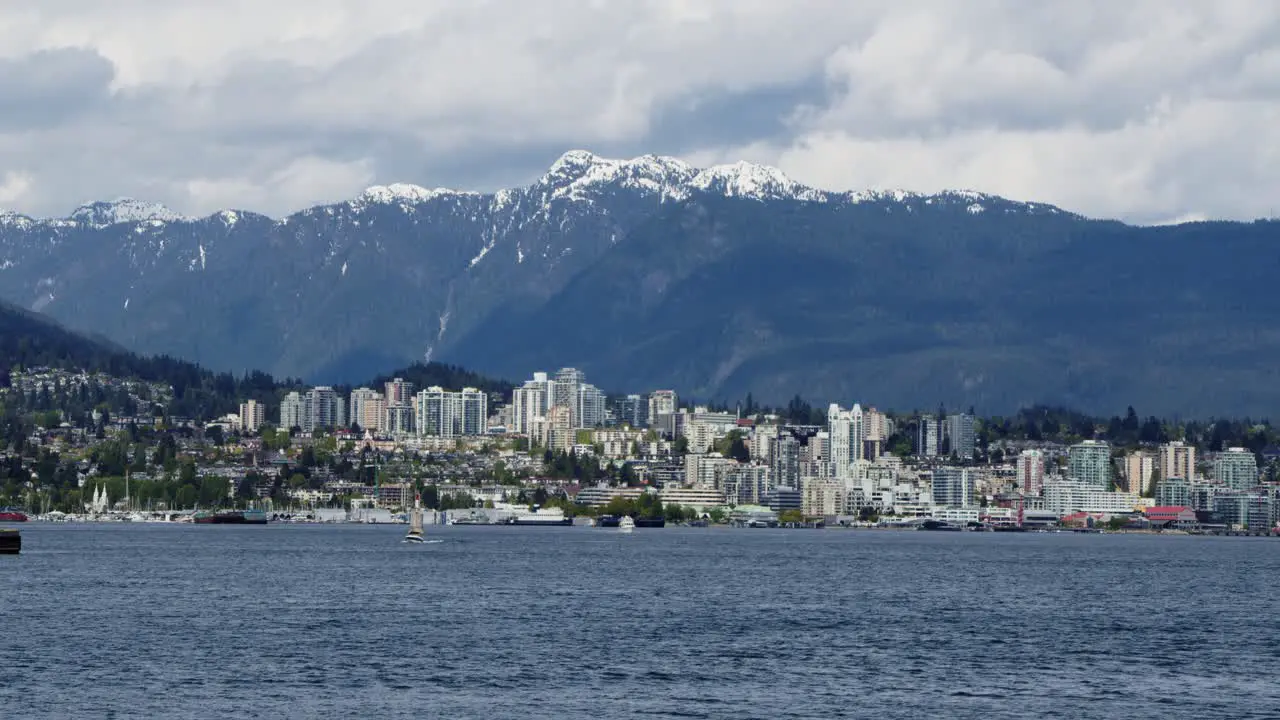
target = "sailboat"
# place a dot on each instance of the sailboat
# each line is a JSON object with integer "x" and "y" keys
{"x": 415, "y": 522}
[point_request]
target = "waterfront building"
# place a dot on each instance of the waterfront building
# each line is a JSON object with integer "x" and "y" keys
{"x": 1174, "y": 491}
{"x": 1236, "y": 468}
{"x": 252, "y": 415}
{"x": 960, "y": 434}
{"x": 783, "y": 498}
{"x": 1064, "y": 496}
{"x": 953, "y": 487}
{"x": 698, "y": 498}
{"x": 821, "y": 497}
{"x": 1139, "y": 468}
{"x": 744, "y": 484}
{"x": 927, "y": 437}
{"x": 1090, "y": 462}
{"x": 1030, "y": 472}
{"x": 1243, "y": 510}
{"x": 700, "y": 469}
{"x": 1177, "y": 460}
{"x": 294, "y": 411}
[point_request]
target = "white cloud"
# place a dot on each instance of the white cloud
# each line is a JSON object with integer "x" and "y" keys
{"x": 1143, "y": 110}
{"x": 14, "y": 187}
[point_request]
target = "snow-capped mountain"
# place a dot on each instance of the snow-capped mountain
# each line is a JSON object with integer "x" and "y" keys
{"x": 644, "y": 272}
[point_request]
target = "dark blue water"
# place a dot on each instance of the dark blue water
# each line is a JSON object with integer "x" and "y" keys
{"x": 279, "y": 621}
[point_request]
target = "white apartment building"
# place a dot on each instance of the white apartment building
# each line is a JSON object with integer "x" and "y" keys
{"x": 1236, "y": 468}
{"x": 252, "y": 415}
{"x": 1064, "y": 496}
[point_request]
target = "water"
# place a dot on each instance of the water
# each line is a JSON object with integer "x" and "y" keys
{"x": 296, "y": 621}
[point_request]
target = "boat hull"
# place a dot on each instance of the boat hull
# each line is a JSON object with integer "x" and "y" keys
{"x": 12, "y": 516}
{"x": 650, "y": 522}
{"x": 529, "y": 522}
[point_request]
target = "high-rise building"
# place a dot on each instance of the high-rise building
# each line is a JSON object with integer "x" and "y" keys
{"x": 959, "y": 432}
{"x": 398, "y": 392}
{"x": 847, "y": 430}
{"x": 1090, "y": 462}
{"x": 475, "y": 412}
{"x": 1177, "y": 460}
{"x": 1138, "y": 469}
{"x": 785, "y": 457}
{"x": 662, "y": 406}
{"x": 1031, "y": 472}
{"x": 528, "y": 402}
{"x": 295, "y": 411}
{"x": 441, "y": 413}
{"x": 252, "y": 415}
{"x": 927, "y": 437}
{"x": 1236, "y": 468}
{"x": 589, "y": 407}
{"x": 368, "y": 409}
{"x": 874, "y": 424}
{"x": 327, "y": 409}
{"x": 952, "y": 487}
{"x": 631, "y": 410}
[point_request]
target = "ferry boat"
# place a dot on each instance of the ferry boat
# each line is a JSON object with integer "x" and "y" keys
{"x": 11, "y": 515}
{"x": 539, "y": 516}
{"x": 230, "y": 517}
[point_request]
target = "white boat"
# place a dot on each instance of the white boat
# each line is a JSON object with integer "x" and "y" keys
{"x": 415, "y": 523}
{"x": 626, "y": 524}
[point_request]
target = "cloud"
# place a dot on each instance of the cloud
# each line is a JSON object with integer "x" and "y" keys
{"x": 1143, "y": 110}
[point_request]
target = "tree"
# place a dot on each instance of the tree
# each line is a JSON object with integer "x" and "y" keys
{"x": 791, "y": 516}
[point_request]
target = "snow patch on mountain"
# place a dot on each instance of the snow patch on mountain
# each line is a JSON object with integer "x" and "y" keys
{"x": 403, "y": 194}
{"x": 125, "y": 210}
{"x": 757, "y": 182}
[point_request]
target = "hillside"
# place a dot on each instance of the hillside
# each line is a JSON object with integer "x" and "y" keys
{"x": 718, "y": 281}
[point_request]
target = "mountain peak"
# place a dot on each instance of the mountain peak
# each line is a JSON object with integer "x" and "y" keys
{"x": 403, "y": 193}
{"x": 749, "y": 180}
{"x": 101, "y": 214}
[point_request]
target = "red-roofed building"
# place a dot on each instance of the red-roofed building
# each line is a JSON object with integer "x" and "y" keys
{"x": 1166, "y": 515}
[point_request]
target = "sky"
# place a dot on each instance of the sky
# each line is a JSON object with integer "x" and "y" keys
{"x": 1145, "y": 111}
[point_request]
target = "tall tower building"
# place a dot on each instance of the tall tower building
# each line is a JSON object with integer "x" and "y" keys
{"x": 1090, "y": 462}
{"x": 1138, "y": 469}
{"x": 475, "y": 412}
{"x": 1031, "y": 472}
{"x": 960, "y": 433}
{"x": 295, "y": 411}
{"x": 327, "y": 409}
{"x": 528, "y": 402}
{"x": 927, "y": 437}
{"x": 1177, "y": 460}
{"x": 589, "y": 410}
{"x": 252, "y": 415}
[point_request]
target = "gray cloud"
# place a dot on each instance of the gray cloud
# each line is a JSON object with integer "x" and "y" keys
{"x": 49, "y": 87}
{"x": 1145, "y": 110}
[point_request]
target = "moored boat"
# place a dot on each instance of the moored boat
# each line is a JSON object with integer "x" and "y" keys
{"x": 230, "y": 517}
{"x": 608, "y": 521}
{"x": 541, "y": 517}
{"x": 650, "y": 522}
{"x": 11, "y": 515}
